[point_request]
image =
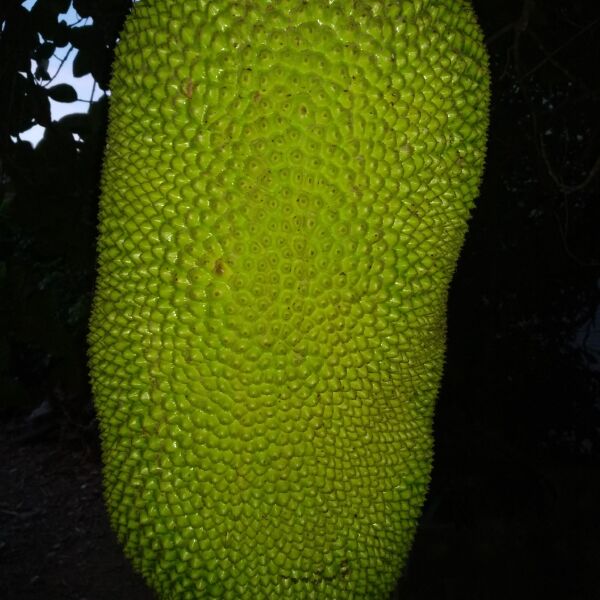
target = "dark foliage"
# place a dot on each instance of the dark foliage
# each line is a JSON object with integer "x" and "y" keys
{"x": 518, "y": 425}
{"x": 49, "y": 202}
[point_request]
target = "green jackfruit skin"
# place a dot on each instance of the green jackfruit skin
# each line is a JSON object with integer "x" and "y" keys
{"x": 285, "y": 193}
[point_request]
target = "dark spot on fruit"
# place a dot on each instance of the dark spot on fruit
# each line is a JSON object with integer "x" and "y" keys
{"x": 219, "y": 268}
{"x": 188, "y": 88}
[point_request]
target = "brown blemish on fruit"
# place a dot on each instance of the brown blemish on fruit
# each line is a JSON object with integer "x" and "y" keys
{"x": 188, "y": 88}
{"x": 219, "y": 268}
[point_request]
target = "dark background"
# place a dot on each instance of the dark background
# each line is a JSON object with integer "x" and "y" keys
{"x": 515, "y": 497}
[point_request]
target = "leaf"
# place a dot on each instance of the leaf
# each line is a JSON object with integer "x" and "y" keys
{"x": 85, "y": 8}
{"x": 18, "y": 116}
{"x": 60, "y": 6}
{"x": 62, "y": 93}
{"x": 40, "y": 106}
{"x": 82, "y": 65}
{"x": 101, "y": 69}
{"x": 78, "y": 123}
{"x": 94, "y": 54}
{"x": 57, "y": 148}
{"x": 61, "y": 34}
{"x": 20, "y": 36}
{"x": 87, "y": 37}
{"x": 98, "y": 114}
{"x": 45, "y": 18}
{"x": 41, "y": 71}
{"x": 44, "y": 52}
{"x": 108, "y": 14}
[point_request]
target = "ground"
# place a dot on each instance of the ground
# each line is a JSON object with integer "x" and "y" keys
{"x": 55, "y": 540}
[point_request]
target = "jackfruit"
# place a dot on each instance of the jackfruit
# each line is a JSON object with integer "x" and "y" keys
{"x": 285, "y": 192}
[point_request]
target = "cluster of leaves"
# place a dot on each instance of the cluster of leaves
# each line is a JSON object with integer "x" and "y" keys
{"x": 48, "y": 199}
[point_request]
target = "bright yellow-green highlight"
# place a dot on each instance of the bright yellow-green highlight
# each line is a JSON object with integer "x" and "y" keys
{"x": 285, "y": 193}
